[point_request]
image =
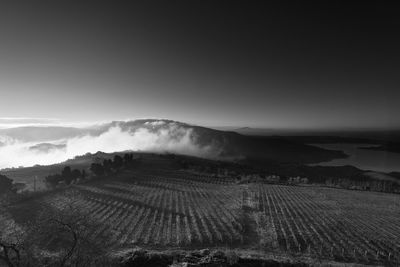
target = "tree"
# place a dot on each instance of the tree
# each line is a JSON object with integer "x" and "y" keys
{"x": 75, "y": 174}
{"x": 107, "y": 165}
{"x": 97, "y": 169}
{"x": 66, "y": 172}
{"x": 83, "y": 175}
{"x": 70, "y": 232}
{"x": 118, "y": 162}
{"x": 12, "y": 237}
{"x": 53, "y": 180}
{"x": 63, "y": 233}
{"x": 128, "y": 158}
{"x": 5, "y": 184}
{"x": 66, "y": 176}
{"x": 10, "y": 248}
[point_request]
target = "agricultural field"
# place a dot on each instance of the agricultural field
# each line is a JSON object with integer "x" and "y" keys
{"x": 327, "y": 223}
{"x": 164, "y": 209}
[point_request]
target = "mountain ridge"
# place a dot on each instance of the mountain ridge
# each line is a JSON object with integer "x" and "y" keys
{"x": 167, "y": 135}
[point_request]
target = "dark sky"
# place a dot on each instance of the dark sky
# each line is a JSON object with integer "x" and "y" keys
{"x": 226, "y": 63}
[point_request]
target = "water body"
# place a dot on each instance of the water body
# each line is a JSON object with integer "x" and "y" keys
{"x": 365, "y": 159}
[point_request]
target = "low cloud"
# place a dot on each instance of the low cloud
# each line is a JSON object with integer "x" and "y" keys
{"x": 6, "y": 122}
{"x": 157, "y": 136}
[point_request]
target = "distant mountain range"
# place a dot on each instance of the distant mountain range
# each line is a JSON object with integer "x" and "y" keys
{"x": 226, "y": 144}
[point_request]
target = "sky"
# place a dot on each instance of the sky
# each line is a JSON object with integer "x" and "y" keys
{"x": 213, "y": 63}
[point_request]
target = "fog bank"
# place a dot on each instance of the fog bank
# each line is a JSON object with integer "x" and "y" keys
{"x": 153, "y": 136}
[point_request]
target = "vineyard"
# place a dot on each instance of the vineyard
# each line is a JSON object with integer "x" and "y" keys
{"x": 327, "y": 223}
{"x": 163, "y": 209}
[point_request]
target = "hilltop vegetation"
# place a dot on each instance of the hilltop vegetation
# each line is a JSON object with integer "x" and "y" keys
{"x": 349, "y": 177}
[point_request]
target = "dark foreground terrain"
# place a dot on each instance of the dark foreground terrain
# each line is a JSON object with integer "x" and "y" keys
{"x": 160, "y": 212}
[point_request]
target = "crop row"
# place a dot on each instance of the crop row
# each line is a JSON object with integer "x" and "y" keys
{"x": 149, "y": 211}
{"x": 304, "y": 221}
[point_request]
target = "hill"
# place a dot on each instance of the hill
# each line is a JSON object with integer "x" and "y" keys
{"x": 155, "y": 205}
{"x": 155, "y": 136}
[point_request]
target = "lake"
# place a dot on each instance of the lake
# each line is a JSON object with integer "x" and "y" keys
{"x": 365, "y": 159}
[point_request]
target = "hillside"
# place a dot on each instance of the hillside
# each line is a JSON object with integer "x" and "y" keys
{"x": 156, "y": 206}
{"x": 233, "y": 145}
{"x": 56, "y": 144}
{"x": 34, "y": 176}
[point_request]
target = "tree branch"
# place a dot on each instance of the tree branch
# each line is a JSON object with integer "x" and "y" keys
{"x": 6, "y": 256}
{"x": 74, "y": 244}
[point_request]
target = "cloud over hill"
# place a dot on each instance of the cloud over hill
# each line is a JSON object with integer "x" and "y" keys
{"x": 27, "y": 146}
{"x": 30, "y": 145}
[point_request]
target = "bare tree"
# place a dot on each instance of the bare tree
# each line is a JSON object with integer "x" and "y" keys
{"x": 11, "y": 238}
{"x": 61, "y": 235}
